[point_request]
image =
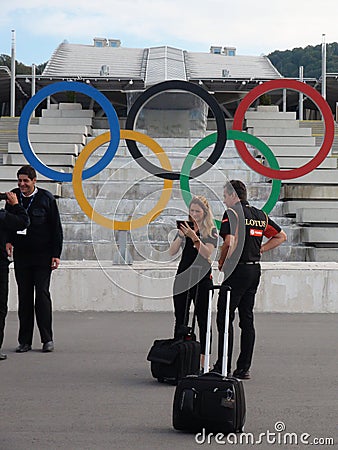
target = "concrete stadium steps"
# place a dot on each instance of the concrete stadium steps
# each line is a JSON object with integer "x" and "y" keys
{"x": 176, "y": 161}
{"x": 69, "y": 138}
{"x": 8, "y": 173}
{"x": 67, "y": 110}
{"x": 291, "y": 143}
{"x": 288, "y": 141}
{"x": 270, "y": 113}
{"x": 317, "y": 126}
{"x": 320, "y": 236}
{"x": 317, "y": 218}
{"x": 293, "y": 163}
{"x": 65, "y": 121}
{"x": 10, "y": 123}
{"x": 49, "y": 148}
{"x": 108, "y": 204}
{"x": 60, "y": 130}
{"x": 253, "y": 120}
{"x": 313, "y": 197}
{"x": 136, "y": 189}
{"x": 300, "y": 151}
{"x": 320, "y": 230}
{"x": 124, "y": 182}
{"x": 166, "y": 218}
{"x": 9, "y": 131}
{"x": 157, "y": 252}
{"x": 107, "y": 251}
{"x": 174, "y": 153}
{"x": 291, "y": 207}
{"x": 124, "y": 167}
{"x": 287, "y": 253}
{"x": 172, "y": 146}
{"x": 309, "y": 192}
{"x": 154, "y": 233}
{"x": 281, "y": 131}
{"x": 312, "y": 216}
{"x": 135, "y": 193}
{"x": 228, "y": 166}
{"x": 318, "y": 130}
{"x": 334, "y": 148}
{"x": 62, "y": 160}
{"x": 123, "y": 206}
{"x": 118, "y": 193}
{"x": 318, "y": 176}
{"x": 53, "y": 187}
{"x": 134, "y": 172}
{"x": 325, "y": 254}
{"x": 56, "y": 144}
{"x": 85, "y": 250}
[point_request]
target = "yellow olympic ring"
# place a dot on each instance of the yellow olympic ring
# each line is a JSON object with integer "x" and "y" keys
{"x": 89, "y": 210}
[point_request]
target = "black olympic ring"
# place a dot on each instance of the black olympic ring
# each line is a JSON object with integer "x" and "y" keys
{"x": 182, "y": 86}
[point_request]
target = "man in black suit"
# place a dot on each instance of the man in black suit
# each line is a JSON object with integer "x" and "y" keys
{"x": 37, "y": 252}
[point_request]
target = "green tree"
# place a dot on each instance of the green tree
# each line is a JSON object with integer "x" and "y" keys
{"x": 288, "y": 62}
{"x": 21, "y": 69}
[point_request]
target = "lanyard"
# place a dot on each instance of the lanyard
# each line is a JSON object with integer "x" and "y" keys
{"x": 29, "y": 204}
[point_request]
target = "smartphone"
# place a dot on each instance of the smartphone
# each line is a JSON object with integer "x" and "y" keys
{"x": 183, "y": 222}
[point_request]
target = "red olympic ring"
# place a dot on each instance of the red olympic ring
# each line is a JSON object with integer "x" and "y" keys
{"x": 320, "y": 103}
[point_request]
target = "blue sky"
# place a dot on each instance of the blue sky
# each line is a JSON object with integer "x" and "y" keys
{"x": 254, "y": 28}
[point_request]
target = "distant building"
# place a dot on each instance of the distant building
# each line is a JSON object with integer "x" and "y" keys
{"x": 121, "y": 73}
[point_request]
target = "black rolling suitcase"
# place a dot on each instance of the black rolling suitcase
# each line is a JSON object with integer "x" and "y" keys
{"x": 173, "y": 359}
{"x": 212, "y": 401}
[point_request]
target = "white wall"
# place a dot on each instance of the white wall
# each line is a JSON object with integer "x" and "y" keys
{"x": 87, "y": 285}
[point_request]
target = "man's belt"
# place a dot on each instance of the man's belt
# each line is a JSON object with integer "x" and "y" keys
{"x": 249, "y": 262}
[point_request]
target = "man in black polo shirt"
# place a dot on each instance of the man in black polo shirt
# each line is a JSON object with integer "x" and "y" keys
{"x": 243, "y": 227}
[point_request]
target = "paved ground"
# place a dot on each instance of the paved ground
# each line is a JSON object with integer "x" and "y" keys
{"x": 96, "y": 392}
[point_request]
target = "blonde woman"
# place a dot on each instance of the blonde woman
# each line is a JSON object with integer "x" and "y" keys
{"x": 193, "y": 278}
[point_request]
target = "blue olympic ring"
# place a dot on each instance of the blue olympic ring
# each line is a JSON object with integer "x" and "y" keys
{"x": 73, "y": 86}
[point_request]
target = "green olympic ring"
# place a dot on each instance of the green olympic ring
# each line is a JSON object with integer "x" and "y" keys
{"x": 234, "y": 135}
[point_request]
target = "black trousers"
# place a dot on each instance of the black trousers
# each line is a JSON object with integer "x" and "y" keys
{"x": 199, "y": 294}
{"x": 244, "y": 282}
{"x": 34, "y": 279}
{"x": 3, "y": 301}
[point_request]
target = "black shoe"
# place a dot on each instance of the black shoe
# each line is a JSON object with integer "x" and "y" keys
{"x": 241, "y": 374}
{"x": 48, "y": 347}
{"x": 23, "y": 348}
{"x": 3, "y": 356}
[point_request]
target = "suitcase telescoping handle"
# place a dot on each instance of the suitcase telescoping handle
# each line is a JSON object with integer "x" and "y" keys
{"x": 226, "y": 328}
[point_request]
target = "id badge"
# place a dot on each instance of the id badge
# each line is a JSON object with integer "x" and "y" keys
{"x": 24, "y": 232}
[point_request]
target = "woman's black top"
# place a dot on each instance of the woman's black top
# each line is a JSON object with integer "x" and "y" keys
{"x": 191, "y": 258}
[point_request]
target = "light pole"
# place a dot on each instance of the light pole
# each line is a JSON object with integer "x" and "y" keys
{"x": 301, "y": 97}
{"x": 323, "y": 67}
{"x": 13, "y": 75}
{"x": 33, "y": 84}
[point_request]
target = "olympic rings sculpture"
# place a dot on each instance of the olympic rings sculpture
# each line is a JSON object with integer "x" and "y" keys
{"x": 165, "y": 171}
